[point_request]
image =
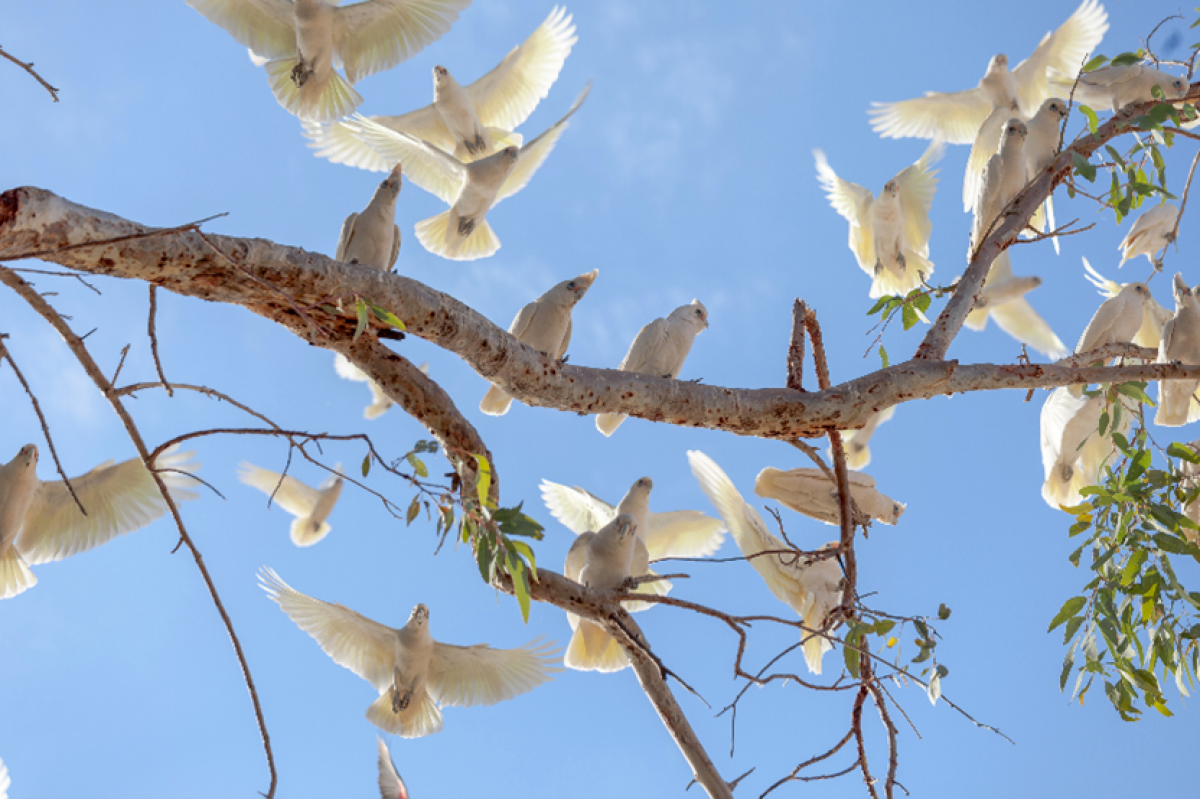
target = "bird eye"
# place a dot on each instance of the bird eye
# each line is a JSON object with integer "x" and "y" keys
{"x": 571, "y": 285}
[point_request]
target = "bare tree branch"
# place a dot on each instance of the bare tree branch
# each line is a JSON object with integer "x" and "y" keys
{"x": 29, "y": 68}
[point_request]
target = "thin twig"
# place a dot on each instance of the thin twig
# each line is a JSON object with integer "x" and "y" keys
{"x": 813, "y": 761}
{"x": 60, "y": 274}
{"x": 1182, "y": 206}
{"x": 154, "y": 340}
{"x": 120, "y": 364}
{"x": 5, "y": 354}
{"x": 1050, "y": 234}
{"x": 795, "y": 354}
{"x": 29, "y": 68}
{"x": 39, "y": 304}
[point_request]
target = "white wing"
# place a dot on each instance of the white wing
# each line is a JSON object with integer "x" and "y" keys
{"x": 118, "y": 498}
{"x": 578, "y": 510}
{"x": 1018, "y": 319}
{"x": 390, "y": 784}
{"x": 535, "y": 152}
{"x": 337, "y": 140}
{"x": 683, "y": 534}
{"x": 462, "y": 676}
{"x": 429, "y": 167}
{"x": 781, "y": 572}
{"x": 646, "y": 344}
{"x": 918, "y": 184}
{"x": 1063, "y": 51}
{"x": 986, "y": 144}
{"x": 377, "y": 35}
{"x": 348, "y": 371}
{"x": 267, "y": 27}
{"x": 506, "y": 96}
{"x": 954, "y": 117}
{"x": 853, "y": 203}
{"x": 293, "y": 496}
{"x": 366, "y": 647}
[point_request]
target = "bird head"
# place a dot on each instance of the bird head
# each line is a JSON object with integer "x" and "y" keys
{"x": 644, "y": 483}
{"x": 419, "y": 615}
{"x": 440, "y": 72}
{"x": 998, "y": 63}
{"x": 27, "y": 456}
{"x": 891, "y": 188}
{"x": 1056, "y": 106}
{"x": 1182, "y": 291}
{"x": 1179, "y": 87}
{"x": 392, "y": 181}
{"x": 1014, "y": 131}
{"x": 512, "y": 153}
{"x": 1138, "y": 289}
{"x": 699, "y": 313}
{"x": 580, "y": 285}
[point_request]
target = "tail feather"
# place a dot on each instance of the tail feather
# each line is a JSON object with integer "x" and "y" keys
{"x": 311, "y": 102}
{"x": 495, "y": 402}
{"x": 15, "y": 576}
{"x": 505, "y": 138}
{"x": 303, "y": 534}
{"x": 593, "y": 649}
{"x": 416, "y": 721}
{"x": 607, "y": 423}
{"x": 436, "y": 236}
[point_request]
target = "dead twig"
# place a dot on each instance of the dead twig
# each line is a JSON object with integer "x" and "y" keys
{"x": 154, "y": 340}
{"x": 29, "y": 68}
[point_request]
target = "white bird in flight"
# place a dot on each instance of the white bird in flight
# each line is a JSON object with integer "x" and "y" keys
{"x": 412, "y": 672}
{"x": 302, "y": 42}
{"x": 462, "y": 233}
{"x": 40, "y": 522}
{"x": 390, "y": 784}
{"x": 1004, "y": 296}
{"x": 310, "y": 506}
{"x": 1151, "y": 233}
{"x": 957, "y": 116}
{"x": 812, "y": 588}
{"x": 469, "y": 122}
{"x": 810, "y": 492}
{"x": 889, "y": 234}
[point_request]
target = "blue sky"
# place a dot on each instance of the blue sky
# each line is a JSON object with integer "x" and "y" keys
{"x": 688, "y": 173}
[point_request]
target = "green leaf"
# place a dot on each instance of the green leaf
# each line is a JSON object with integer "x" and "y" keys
{"x": 943, "y": 612}
{"x": 1095, "y": 63}
{"x": 483, "y": 479}
{"x": 513, "y": 522}
{"x": 883, "y": 356}
{"x": 1169, "y": 543}
{"x": 909, "y": 316}
{"x": 1139, "y": 464}
{"x": 1114, "y": 155}
{"x": 1135, "y": 390}
{"x": 850, "y": 652}
{"x": 485, "y": 556}
{"x": 520, "y": 582}
{"x": 1068, "y": 662}
{"x": 413, "y": 509}
{"x": 1071, "y": 607}
{"x": 417, "y": 464}
{"x": 387, "y": 317}
{"x": 879, "y": 305}
{"x": 360, "y": 308}
{"x": 1126, "y": 58}
{"x": 366, "y": 465}
{"x": 1133, "y": 567}
{"x": 1086, "y": 169}
{"x": 1092, "y": 121}
{"x": 883, "y": 626}
{"x": 1103, "y": 422}
{"x": 1072, "y": 628}
{"x": 923, "y": 302}
{"x": 1184, "y": 452}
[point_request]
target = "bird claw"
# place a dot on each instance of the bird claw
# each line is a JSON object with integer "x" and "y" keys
{"x": 878, "y": 268}
{"x": 901, "y": 261}
{"x": 563, "y": 360}
{"x": 470, "y": 146}
{"x": 466, "y": 227}
{"x": 695, "y": 380}
{"x": 480, "y": 144}
{"x": 301, "y": 74}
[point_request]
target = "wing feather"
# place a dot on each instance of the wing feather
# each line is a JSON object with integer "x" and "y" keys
{"x": 462, "y": 676}
{"x": 377, "y": 35}
{"x": 293, "y": 496}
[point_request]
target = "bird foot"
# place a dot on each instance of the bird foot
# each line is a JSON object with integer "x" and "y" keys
{"x": 471, "y": 146}
{"x": 878, "y": 268}
{"x": 563, "y": 360}
{"x": 480, "y": 144}
{"x": 695, "y": 380}
{"x": 301, "y": 73}
{"x": 466, "y": 227}
{"x": 901, "y": 261}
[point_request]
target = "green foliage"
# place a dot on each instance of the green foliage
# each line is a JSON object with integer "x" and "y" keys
{"x": 363, "y": 309}
{"x": 1135, "y": 624}
{"x": 857, "y": 639}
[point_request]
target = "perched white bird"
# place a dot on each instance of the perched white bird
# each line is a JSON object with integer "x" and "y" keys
{"x": 602, "y": 560}
{"x": 957, "y": 116}
{"x": 390, "y": 784}
{"x": 1113, "y": 88}
{"x": 302, "y": 41}
{"x": 857, "y": 443}
{"x": 1040, "y": 148}
{"x": 1073, "y": 451}
{"x": 545, "y": 325}
{"x": 412, "y": 672}
{"x": 1177, "y": 401}
{"x": 1117, "y": 320}
{"x": 373, "y": 237}
{"x": 1004, "y": 300}
{"x": 40, "y": 522}
{"x": 1003, "y": 178}
{"x": 469, "y": 122}
{"x": 659, "y": 348}
{"x": 1151, "y": 232}
{"x": 310, "y": 506}
{"x": 1154, "y": 316}
{"x": 674, "y": 534}
{"x": 462, "y": 233}
{"x": 889, "y": 234}
{"x": 812, "y": 588}
{"x": 809, "y": 491}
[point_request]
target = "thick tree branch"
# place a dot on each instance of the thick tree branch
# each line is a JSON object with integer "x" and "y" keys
{"x": 1015, "y": 218}
{"x": 37, "y": 221}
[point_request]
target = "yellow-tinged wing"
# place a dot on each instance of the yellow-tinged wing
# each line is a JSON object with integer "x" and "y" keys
{"x": 479, "y": 675}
